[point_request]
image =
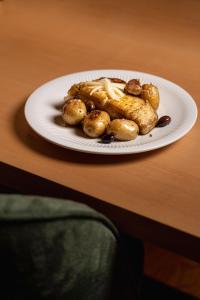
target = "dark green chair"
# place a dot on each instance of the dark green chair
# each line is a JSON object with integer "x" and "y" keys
{"x": 53, "y": 249}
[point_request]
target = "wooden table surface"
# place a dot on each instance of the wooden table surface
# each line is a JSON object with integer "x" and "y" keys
{"x": 155, "y": 195}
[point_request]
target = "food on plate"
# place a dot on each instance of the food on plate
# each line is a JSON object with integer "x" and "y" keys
{"x": 113, "y": 109}
{"x": 115, "y": 80}
{"x": 133, "y": 87}
{"x": 163, "y": 121}
{"x": 112, "y": 97}
{"x": 107, "y": 138}
{"x": 90, "y": 106}
{"x": 150, "y": 93}
{"x": 135, "y": 109}
{"x": 123, "y": 129}
{"x": 74, "y": 111}
{"x": 95, "y": 123}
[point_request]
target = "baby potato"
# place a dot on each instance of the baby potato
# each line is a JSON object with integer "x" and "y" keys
{"x": 123, "y": 129}
{"x": 150, "y": 92}
{"x": 74, "y": 111}
{"x": 95, "y": 123}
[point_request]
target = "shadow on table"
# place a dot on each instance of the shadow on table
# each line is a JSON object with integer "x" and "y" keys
{"x": 38, "y": 144}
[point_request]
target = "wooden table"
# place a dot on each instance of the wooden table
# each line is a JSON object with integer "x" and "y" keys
{"x": 154, "y": 196}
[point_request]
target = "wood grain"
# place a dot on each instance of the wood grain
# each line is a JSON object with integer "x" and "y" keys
{"x": 172, "y": 270}
{"x": 40, "y": 40}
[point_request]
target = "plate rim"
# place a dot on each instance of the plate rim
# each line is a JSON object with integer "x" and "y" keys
{"x": 112, "y": 151}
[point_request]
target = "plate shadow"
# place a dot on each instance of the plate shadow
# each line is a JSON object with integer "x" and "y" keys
{"x": 39, "y": 145}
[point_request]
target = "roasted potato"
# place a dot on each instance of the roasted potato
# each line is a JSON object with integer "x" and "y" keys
{"x": 74, "y": 111}
{"x": 150, "y": 93}
{"x": 95, "y": 123}
{"x": 123, "y": 130}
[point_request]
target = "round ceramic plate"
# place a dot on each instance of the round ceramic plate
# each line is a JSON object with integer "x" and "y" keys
{"x": 42, "y": 111}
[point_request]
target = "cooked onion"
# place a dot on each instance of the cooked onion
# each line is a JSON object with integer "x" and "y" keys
{"x": 114, "y": 90}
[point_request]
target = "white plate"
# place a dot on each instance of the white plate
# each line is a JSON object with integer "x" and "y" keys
{"x": 42, "y": 114}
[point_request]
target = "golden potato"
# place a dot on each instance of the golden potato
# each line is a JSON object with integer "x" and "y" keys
{"x": 150, "y": 93}
{"x": 74, "y": 111}
{"x": 95, "y": 123}
{"x": 123, "y": 130}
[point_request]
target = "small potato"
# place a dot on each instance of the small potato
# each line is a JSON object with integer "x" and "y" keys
{"x": 95, "y": 123}
{"x": 150, "y": 92}
{"x": 123, "y": 130}
{"x": 74, "y": 111}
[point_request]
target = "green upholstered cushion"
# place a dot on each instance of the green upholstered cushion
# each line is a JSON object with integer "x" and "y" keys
{"x": 54, "y": 249}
